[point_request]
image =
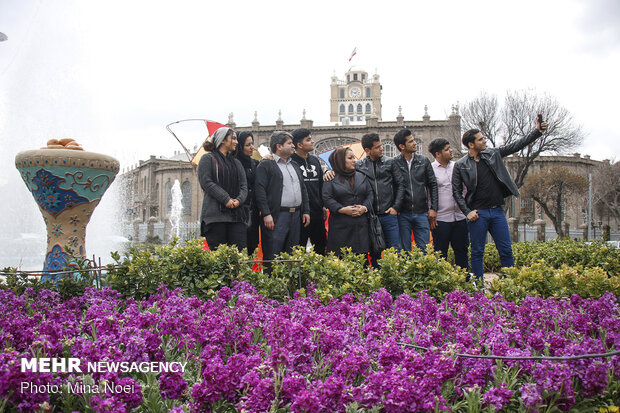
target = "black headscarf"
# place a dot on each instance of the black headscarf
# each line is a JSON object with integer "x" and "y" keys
{"x": 245, "y": 160}
{"x": 338, "y": 161}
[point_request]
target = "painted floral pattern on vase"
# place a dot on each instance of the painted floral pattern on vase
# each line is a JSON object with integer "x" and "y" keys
{"x": 67, "y": 185}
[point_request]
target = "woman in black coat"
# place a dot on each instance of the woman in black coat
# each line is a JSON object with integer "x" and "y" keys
{"x": 245, "y": 149}
{"x": 348, "y": 197}
{"x": 222, "y": 179}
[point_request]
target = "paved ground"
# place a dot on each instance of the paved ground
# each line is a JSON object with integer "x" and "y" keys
{"x": 488, "y": 278}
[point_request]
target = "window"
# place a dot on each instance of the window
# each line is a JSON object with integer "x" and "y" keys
{"x": 389, "y": 149}
{"x": 341, "y": 93}
{"x": 354, "y": 76}
{"x": 351, "y": 108}
{"x": 368, "y": 108}
{"x": 186, "y": 199}
{"x": 367, "y": 92}
{"x": 341, "y": 108}
{"x": 359, "y": 108}
{"x": 363, "y": 77}
{"x": 348, "y": 78}
{"x": 359, "y": 118}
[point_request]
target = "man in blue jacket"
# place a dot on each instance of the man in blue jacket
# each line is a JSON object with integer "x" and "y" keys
{"x": 483, "y": 173}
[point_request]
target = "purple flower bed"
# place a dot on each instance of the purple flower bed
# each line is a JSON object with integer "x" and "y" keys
{"x": 253, "y": 354}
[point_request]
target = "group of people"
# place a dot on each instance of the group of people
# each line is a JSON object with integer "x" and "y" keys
{"x": 287, "y": 195}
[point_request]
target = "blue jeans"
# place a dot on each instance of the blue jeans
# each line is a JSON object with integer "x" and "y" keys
{"x": 455, "y": 234}
{"x": 492, "y": 221}
{"x": 418, "y": 223}
{"x": 389, "y": 225}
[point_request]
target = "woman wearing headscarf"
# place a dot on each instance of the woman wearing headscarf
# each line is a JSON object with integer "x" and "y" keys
{"x": 223, "y": 181}
{"x": 348, "y": 197}
{"x": 244, "y": 151}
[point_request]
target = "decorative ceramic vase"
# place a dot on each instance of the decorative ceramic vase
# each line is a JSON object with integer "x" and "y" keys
{"x": 67, "y": 184}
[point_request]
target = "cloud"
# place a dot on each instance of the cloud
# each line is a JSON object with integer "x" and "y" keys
{"x": 600, "y": 22}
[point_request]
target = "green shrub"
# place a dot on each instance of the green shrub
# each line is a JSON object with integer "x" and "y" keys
{"x": 410, "y": 272}
{"x": 199, "y": 273}
{"x": 557, "y": 253}
{"x": 542, "y": 280}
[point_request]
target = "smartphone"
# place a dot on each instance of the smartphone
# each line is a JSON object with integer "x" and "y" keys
{"x": 540, "y": 119}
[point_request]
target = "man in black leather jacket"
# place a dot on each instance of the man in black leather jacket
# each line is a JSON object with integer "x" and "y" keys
{"x": 483, "y": 173}
{"x": 387, "y": 189}
{"x": 419, "y": 184}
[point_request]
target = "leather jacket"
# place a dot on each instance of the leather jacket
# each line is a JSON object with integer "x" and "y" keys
{"x": 465, "y": 172}
{"x": 387, "y": 189}
{"x": 419, "y": 181}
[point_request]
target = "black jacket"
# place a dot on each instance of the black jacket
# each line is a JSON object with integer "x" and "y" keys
{"x": 387, "y": 187}
{"x": 313, "y": 179}
{"x": 345, "y": 230}
{"x": 465, "y": 172}
{"x": 268, "y": 190}
{"x": 215, "y": 197}
{"x": 419, "y": 181}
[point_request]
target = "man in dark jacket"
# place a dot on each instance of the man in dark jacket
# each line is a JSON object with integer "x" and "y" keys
{"x": 281, "y": 198}
{"x": 387, "y": 189}
{"x": 313, "y": 179}
{"x": 483, "y": 173}
{"x": 418, "y": 180}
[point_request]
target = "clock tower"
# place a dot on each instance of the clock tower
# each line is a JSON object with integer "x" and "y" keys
{"x": 355, "y": 98}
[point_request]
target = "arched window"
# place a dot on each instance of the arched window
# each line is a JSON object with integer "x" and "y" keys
{"x": 168, "y": 197}
{"x": 341, "y": 93}
{"x": 186, "y": 200}
{"x": 359, "y": 108}
{"x": 350, "y": 108}
{"x": 368, "y": 109}
{"x": 367, "y": 92}
{"x": 389, "y": 149}
{"x": 341, "y": 108}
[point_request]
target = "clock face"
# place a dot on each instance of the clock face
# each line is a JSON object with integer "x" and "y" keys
{"x": 355, "y": 92}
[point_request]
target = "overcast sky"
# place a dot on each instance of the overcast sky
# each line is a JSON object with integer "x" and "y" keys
{"x": 112, "y": 74}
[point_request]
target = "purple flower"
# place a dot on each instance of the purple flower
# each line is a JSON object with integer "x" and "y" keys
{"x": 498, "y": 396}
{"x": 172, "y": 385}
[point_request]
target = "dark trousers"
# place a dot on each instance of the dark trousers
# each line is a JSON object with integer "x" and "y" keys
{"x": 252, "y": 233}
{"x": 455, "y": 234}
{"x": 284, "y": 236}
{"x": 230, "y": 233}
{"x": 316, "y": 232}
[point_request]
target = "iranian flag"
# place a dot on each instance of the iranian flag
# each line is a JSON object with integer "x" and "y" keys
{"x": 353, "y": 53}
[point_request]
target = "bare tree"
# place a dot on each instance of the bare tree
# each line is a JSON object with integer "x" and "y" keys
{"x": 606, "y": 185}
{"x": 517, "y": 118}
{"x": 552, "y": 189}
{"x": 482, "y": 113}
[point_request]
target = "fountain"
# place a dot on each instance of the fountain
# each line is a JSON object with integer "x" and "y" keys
{"x": 67, "y": 184}
{"x": 176, "y": 210}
